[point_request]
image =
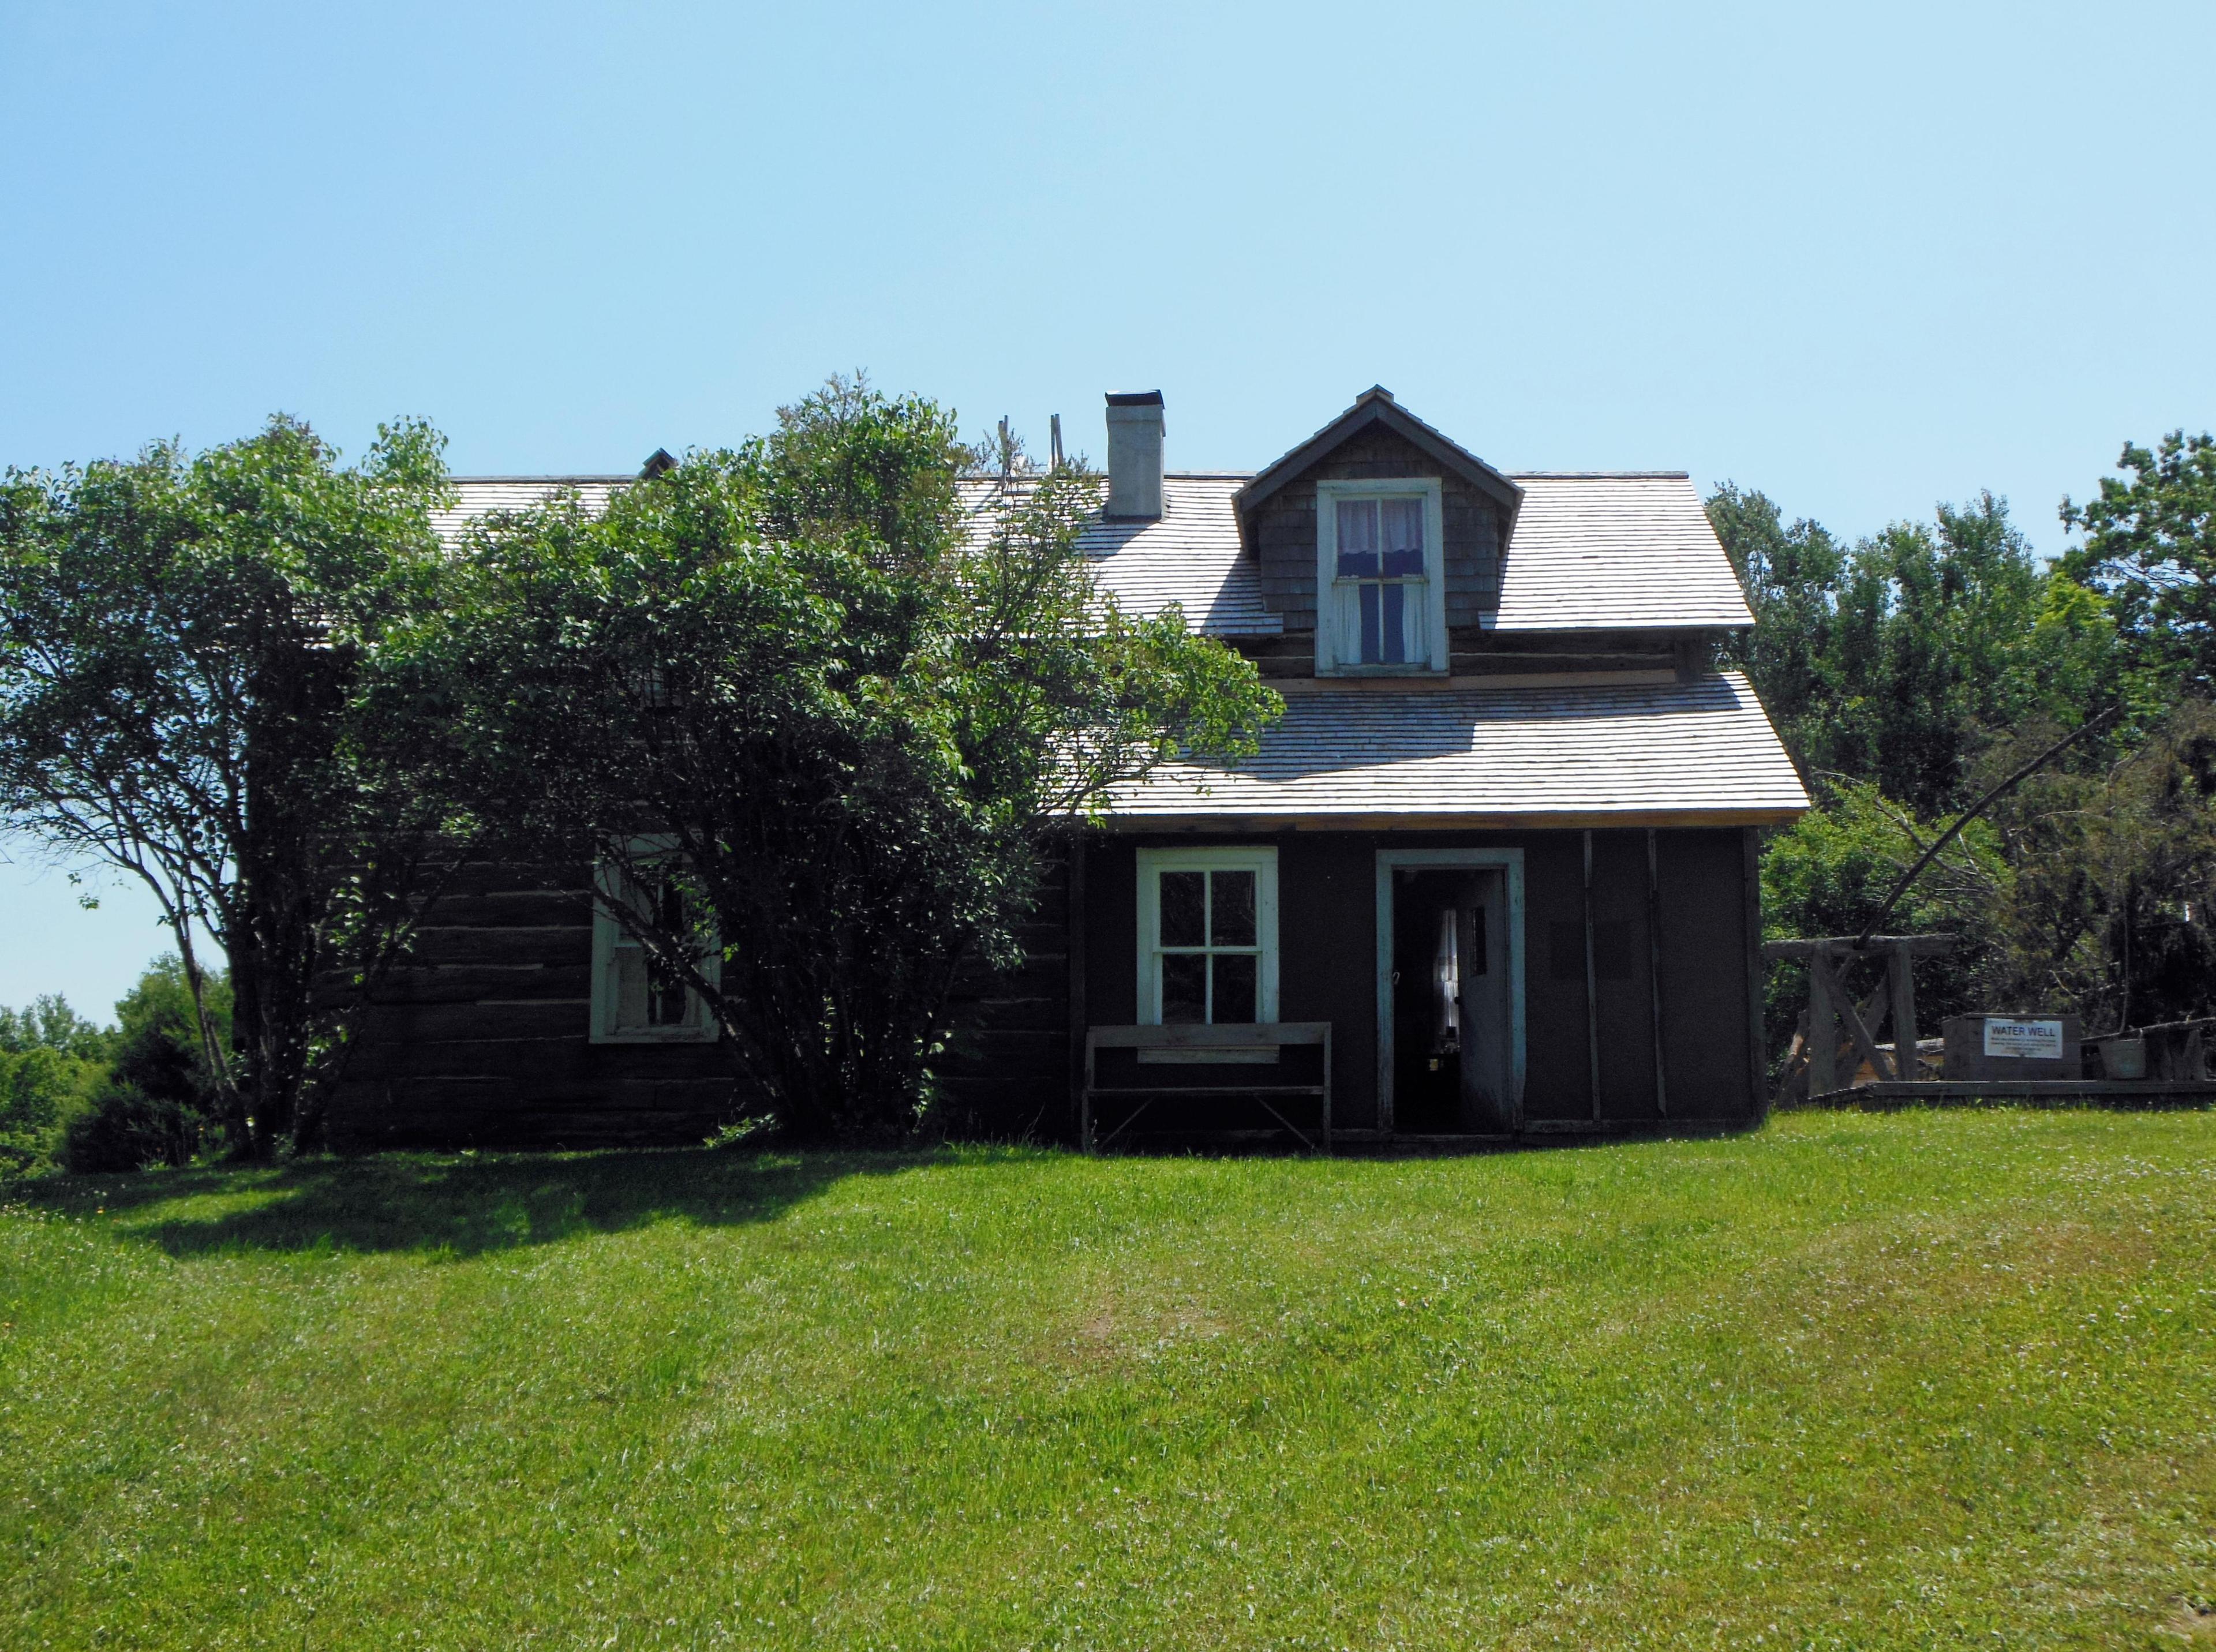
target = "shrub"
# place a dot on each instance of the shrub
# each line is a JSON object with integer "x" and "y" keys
{"x": 125, "y": 1129}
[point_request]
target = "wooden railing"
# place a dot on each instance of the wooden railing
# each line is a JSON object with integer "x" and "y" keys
{"x": 1206, "y": 1043}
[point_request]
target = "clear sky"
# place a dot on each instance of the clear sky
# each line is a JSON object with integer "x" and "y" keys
{"x": 1862, "y": 257}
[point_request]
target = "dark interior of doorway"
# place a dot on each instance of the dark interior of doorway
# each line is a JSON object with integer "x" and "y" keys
{"x": 1450, "y": 1024}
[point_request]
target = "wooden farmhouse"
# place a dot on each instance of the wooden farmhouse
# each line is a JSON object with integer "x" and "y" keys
{"x": 1492, "y": 875}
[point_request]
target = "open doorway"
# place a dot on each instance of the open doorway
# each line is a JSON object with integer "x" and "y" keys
{"x": 1450, "y": 1056}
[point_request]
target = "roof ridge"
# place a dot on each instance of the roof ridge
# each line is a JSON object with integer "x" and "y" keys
{"x": 631, "y": 476}
{"x": 1603, "y": 476}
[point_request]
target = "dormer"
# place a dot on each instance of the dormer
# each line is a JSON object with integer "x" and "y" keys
{"x": 1379, "y": 538}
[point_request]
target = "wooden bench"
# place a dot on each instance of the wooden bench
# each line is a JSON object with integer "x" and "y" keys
{"x": 1206, "y": 1043}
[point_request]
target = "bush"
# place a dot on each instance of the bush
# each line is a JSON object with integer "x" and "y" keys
{"x": 126, "y": 1129}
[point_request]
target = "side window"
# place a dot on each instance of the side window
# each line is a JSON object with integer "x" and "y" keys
{"x": 1208, "y": 936}
{"x": 634, "y": 1001}
{"x": 1381, "y": 598}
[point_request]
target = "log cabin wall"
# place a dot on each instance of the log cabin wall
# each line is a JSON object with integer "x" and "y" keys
{"x": 1328, "y": 952}
{"x": 482, "y": 1041}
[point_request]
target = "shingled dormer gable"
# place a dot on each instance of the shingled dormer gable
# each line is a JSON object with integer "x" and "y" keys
{"x": 1461, "y": 508}
{"x": 1376, "y": 407}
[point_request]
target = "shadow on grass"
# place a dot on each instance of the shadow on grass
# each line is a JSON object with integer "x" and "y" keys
{"x": 458, "y": 1205}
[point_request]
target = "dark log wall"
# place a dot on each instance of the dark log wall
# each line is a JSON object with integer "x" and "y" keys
{"x": 1284, "y": 532}
{"x": 1005, "y": 1074}
{"x": 482, "y": 1041}
{"x": 1327, "y": 941}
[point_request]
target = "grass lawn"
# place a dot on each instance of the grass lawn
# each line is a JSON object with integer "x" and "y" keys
{"x": 1927, "y": 1380}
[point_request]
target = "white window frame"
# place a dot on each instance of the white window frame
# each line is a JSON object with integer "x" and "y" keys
{"x": 1338, "y": 635}
{"x": 698, "y": 1026}
{"x": 1262, "y": 861}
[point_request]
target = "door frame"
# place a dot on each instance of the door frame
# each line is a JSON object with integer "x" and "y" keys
{"x": 1509, "y": 862}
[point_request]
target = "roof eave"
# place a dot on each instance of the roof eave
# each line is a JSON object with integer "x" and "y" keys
{"x": 1475, "y": 820}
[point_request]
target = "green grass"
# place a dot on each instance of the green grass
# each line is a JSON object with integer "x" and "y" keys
{"x": 1916, "y": 1381}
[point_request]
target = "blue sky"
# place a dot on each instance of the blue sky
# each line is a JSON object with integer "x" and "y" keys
{"x": 1865, "y": 258}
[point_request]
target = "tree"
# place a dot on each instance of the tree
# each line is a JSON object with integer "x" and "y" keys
{"x": 187, "y": 648}
{"x": 51, "y": 1062}
{"x": 1899, "y": 661}
{"x": 2149, "y": 550}
{"x": 2107, "y": 907}
{"x": 817, "y": 723}
{"x": 1791, "y": 576}
{"x": 157, "y": 1102}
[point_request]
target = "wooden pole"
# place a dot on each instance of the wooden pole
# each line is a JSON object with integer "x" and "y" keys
{"x": 1902, "y": 963}
{"x": 1823, "y": 1026}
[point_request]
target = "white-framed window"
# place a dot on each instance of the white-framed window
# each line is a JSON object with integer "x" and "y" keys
{"x": 634, "y": 1000}
{"x": 1208, "y": 936}
{"x": 1381, "y": 577}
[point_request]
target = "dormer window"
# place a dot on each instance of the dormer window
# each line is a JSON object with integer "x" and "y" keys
{"x": 1380, "y": 578}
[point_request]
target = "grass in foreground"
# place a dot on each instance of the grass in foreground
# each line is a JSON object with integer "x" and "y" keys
{"x": 1925, "y": 1380}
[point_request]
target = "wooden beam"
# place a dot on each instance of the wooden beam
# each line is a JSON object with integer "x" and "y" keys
{"x": 1819, "y": 964}
{"x": 1901, "y": 968}
{"x": 1823, "y": 1032}
{"x": 1922, "y": 946}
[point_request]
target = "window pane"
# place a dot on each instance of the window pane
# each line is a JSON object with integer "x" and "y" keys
{"x": 1184, "y": 986}
{"x": 1371, "y": 652}
{"x": 631, "y": 993}
{"x": 1236, "y": 974}
{"x": 1401, "y": 536}
{"x": 1185, "y": 911}
{"x": 1231, "y": 914}
{"x": 1392, "y": 626}
{"x": 1357, "y": 538}
{"x": 666, "y": 1006}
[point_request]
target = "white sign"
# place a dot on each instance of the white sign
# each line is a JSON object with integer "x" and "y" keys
{"x": 2039, "y": 1040}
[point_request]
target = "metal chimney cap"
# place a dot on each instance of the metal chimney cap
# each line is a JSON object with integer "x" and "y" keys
{"x": 1135, "y": 399}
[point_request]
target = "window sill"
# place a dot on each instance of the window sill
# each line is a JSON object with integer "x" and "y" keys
{"x": 1208, "y": 1057}
{"x": 1431, "y": 672}
{"x": 668, "y": 1035}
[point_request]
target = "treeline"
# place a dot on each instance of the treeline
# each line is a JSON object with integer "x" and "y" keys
{"x": 1911, "y": 670}
{"x": 90, "y": 1097}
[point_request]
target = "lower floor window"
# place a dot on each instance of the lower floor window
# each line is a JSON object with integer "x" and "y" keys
{"x": 1208, "y": 936}
{"x": 636, "y": 997}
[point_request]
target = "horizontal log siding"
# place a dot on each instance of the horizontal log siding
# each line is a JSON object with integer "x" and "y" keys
{"x": 1005, "y": 1074}
{"x": 1327, "y": 941}
{"x": 1284, "y": 532}
{"x": 482, "y": 1039}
